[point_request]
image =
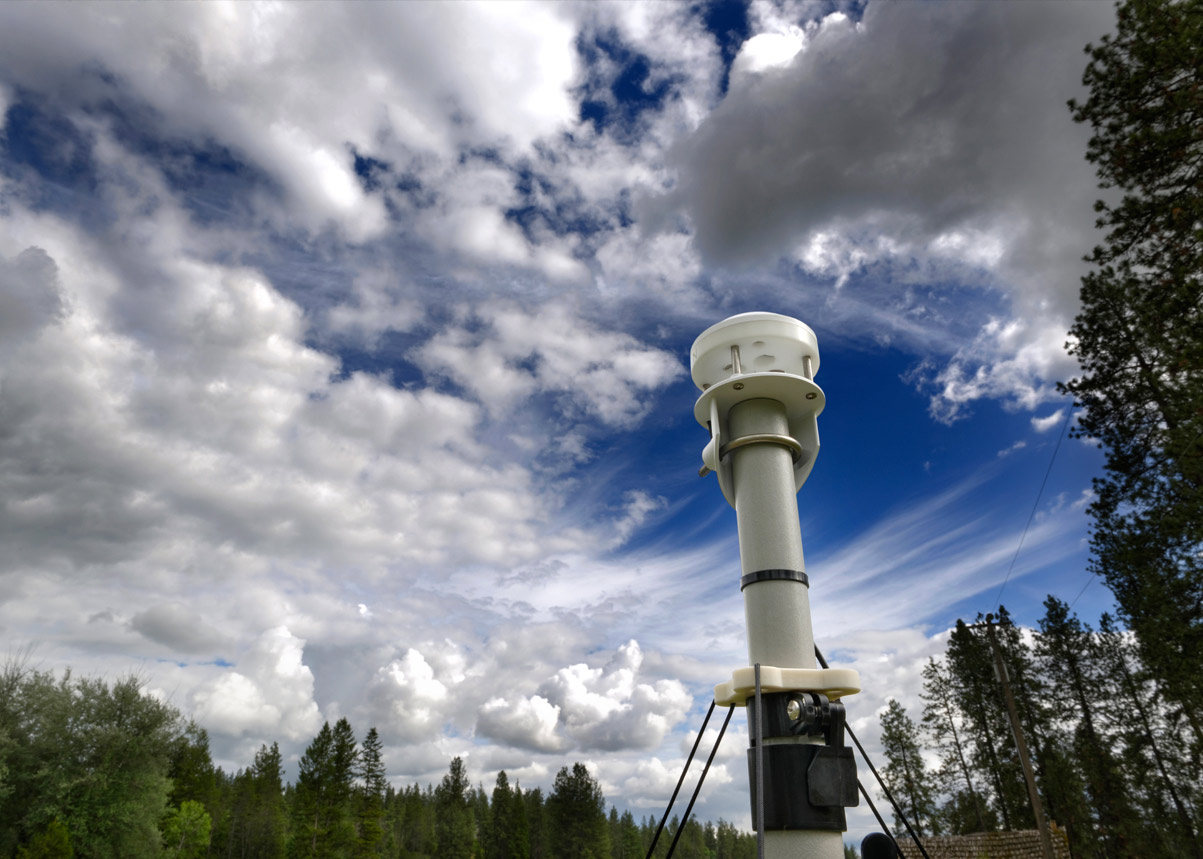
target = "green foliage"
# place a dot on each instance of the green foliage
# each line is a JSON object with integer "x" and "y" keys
{"x": 1139, "y": 336}
{"x": 54, "y": 842}
{"x": 905, "y": 771}
{"x": 186, "y": 831}
{"x": 576, "y": 812}
{"x": 455, "y": 828}
{"x": 966, "y": 812}
{"x": 92, "y": 756}
{"x": 369, "y": 796}
{"x": 321, "y": 813}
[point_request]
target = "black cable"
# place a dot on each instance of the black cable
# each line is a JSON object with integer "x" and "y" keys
{"x": 877, "y": 814}
{"x": 681, "y": 780}
{"x": 873, "y": 769}
{"x": 1036, "y": 504}
{"x": 702, "y": 778}
{"x": 759, "y": 736}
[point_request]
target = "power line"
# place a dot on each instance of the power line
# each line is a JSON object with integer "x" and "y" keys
{"x": 1035, "y": 505}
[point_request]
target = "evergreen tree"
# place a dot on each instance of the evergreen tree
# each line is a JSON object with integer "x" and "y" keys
{"x": 369, "y": 797}
{"x": 628, "y": 844}
{"x": 1068, "y": 651}
{"x": 454, "y": 824}
{"x": 905, "y": 771}
{"x": 191, "y": 769}
{"x": 536, "y": 819}
{"x": 576, "y": 812}
{"x": 1139, "y": 336}
{"x": 258, "y": 817}
{"x": 993, "y": 756}
{"x": 940, "y": 717}
{"x": 1159, "y": 773}
{"x": 322, "y": 824}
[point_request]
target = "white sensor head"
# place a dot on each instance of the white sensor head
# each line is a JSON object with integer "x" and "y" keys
{"x": 766, "y": 342}
{"x": 757, "y": 356}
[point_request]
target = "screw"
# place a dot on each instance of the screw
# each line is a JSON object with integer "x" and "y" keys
{"x": 739, "y": 386}
{"x": 793, "y": 709}
{"x": 811, "y": 395}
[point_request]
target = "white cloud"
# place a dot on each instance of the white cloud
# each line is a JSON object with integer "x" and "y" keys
{"x": 866, "y": 148}
{"x": 513, "y": 355}
{"x": 1047, "y": 423}
{"x": 408, "y": 700}
{"x": 269, "y": 694}
{"x": 607, "y": 708}
{"x": 291, "y": 90}
{"x": 528, "y": 723}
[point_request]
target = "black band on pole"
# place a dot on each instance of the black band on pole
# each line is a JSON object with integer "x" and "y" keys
{"x": 774, "y": 576}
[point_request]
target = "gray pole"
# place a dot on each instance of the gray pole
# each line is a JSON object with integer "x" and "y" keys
{"x": 777, "y": 613}
{"x": 1046, "y": 841}
{"x": 760, "y": 403}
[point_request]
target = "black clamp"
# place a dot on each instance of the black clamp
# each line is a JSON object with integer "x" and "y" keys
{"x": 806, "y": 785}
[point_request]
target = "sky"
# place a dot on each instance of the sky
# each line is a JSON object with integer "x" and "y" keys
{"x": 344, "y": 357}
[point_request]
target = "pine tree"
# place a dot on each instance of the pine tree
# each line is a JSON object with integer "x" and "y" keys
{"x": 576, "y": 812}
{"x": 454, "y": 826}
{"x": 519, "y": 846}
{"x": 322, "y": 824}
{"x": 497, "y": 845}
{"x": 1139, "y": 336}
{"x": 1068, "y": 651}
{"x": 940, "y": 717}
{"x": 994, "y": 757}
{"x": 1158, "y": 773}
{"x": 536, "y": 819}
{"x": 369, "y": 796}
{"x": 905, "y": 771}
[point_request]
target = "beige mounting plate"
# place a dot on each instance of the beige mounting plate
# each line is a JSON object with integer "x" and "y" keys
{"x": 835, "y": 683}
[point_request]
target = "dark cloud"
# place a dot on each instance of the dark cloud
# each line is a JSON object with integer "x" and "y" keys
{"x": 29, "y": 296}
{"x": 177, "y": 627}
{"x": 923, "y": 118}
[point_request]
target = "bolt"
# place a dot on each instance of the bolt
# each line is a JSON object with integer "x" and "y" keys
{"x": 739, "y": 386}
{"x": 793, "y": 709}
{"x": 811, "y": 395}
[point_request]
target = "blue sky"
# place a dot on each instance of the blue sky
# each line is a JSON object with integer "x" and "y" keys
{"x": 344, "y": 355}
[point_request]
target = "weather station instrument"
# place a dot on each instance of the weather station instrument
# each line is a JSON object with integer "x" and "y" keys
{"x": 761, "y": 405}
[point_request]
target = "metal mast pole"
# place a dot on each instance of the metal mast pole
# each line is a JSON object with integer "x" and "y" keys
{"x": 760, "y": 403}
{"x": 1046, "y": 841}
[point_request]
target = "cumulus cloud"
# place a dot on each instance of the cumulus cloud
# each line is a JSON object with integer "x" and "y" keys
{"x": 528, "y": 723}
{"x": 884, "y": 139}
{"x": 607, "y": 708}
{"x": 409, "y": 700}
{"x": 269, "y": 692}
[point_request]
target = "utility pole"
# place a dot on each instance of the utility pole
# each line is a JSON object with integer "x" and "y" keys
{"x": 760, "y": 403}
{"x": 1046, "y": 841}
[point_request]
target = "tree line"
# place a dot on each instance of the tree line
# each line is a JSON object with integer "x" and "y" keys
{"x": 1117, "y": 761}
{"x": 95, "y": 770}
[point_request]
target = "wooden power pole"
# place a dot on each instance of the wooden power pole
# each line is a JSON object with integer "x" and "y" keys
{"x": 1046, "y": 841}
